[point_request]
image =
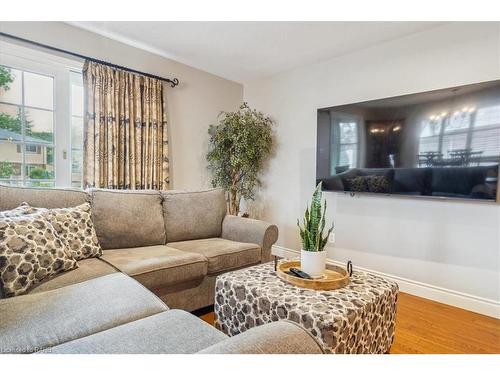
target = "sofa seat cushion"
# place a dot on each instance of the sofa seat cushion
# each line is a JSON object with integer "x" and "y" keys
{"x": 157, "y": 266}
{"x": 87, "y": 269}
{"x": 222, "y": 254}
{"x": 170, "y": 332}
{"x": 36, "y": 321}
{"x": 128, "y": 218}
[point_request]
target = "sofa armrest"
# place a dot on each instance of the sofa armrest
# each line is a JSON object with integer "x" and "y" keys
{"x": 241, "y": 229}
{"x": 282, "y": 337}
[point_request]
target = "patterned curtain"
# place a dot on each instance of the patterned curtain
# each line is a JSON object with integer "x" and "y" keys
{"x": 125, "y": 132}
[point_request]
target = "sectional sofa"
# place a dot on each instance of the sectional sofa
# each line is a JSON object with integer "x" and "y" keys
{"x": 161, "y": 254}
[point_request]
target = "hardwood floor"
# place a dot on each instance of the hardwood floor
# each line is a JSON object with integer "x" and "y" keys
{"x": 427, "y": 327}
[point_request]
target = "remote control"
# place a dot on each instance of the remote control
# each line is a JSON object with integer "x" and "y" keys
{"x": 299, "y": 273}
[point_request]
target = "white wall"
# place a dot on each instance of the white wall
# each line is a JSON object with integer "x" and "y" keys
{"x": 450, "y": 245}
{"x": 191, "y": 106}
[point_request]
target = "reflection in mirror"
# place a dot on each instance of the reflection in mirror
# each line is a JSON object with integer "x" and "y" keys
{"x": 443, "y": 143}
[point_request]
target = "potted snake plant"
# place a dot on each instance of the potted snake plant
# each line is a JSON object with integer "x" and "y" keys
{"x": 313, "y": 236}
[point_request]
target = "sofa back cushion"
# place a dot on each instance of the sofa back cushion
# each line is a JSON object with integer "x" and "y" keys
{"x": 193, "y": 215}
{"x": 127, "y": 218}
{"x": 458, "y": 180}
{"x": 413, "y": 180}
{"x": 11, "y": 197}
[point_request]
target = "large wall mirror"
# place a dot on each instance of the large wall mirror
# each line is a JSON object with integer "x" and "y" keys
{"x": 443, "y": 143}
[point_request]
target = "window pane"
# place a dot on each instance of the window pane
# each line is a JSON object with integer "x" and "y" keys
{"x": 487, "y": 141}
{"x": 77, "y": 133}
{"x": 458, "y": 120}
{"x": 488, "y": 116}
{"x": 430, "y": 128}
{"x": 77, "y": 100}
{"x": 10, "y": 122}
{"x": 39, "y": 162}
{"x": 348, "y": 132}
{"x": 454, "y": 142}
{"x": 39, "y": 125}
{"x": 347, "y": 155}
{"x": 11, "y": 159}
{"x": 11, "y": 85}
{"x": 429, "y": 144}
{"x": 38, "y": 91}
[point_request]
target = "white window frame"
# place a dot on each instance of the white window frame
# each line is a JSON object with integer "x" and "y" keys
{"x": 59, "y": 68}
{"x": 337, "y": 119}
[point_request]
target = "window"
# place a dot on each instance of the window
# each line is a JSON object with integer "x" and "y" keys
{"x": 348, "y": 143}
{"x": 33, "y": 149}
{"x": 472, "y": 132}
{"x": 486, "y": 132}
{"x": 430, "y": 135}
{"x": 29, "y": 149}
{"x": 37, "y": 121}
{"x": 344, "y": 142}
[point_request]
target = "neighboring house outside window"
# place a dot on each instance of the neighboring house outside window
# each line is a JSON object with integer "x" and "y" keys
{"x": 41, "y": 118}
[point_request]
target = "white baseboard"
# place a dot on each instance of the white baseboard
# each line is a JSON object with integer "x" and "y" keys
{"x": 450, "y": 297}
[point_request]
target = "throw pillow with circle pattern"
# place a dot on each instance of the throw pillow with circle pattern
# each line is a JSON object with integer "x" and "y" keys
{"x": 73, "y": 224}
{"x": 30, "y": 251}
{"x": 378, "y": 184}
{"x": 356, "y": 184}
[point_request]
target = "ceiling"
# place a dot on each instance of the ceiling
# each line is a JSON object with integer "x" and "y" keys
{"x": 245, "y": 51}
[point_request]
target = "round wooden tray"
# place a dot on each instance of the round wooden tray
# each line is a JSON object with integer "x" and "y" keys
{"x": 335, "y": 277}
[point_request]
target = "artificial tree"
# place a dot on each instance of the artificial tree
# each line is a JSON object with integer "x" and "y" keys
{"x": 239, "y": 143}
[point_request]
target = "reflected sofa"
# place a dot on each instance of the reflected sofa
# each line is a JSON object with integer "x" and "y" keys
{"x": 453, "y": 182}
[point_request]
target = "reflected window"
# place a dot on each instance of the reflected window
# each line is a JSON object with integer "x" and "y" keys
{"x": 464, "y": 137}
{"x": 344, "y": 142}
{"x": 431, "y": 127}
{"x": 488, "y": 116}
{"x": 348, "y": 143}
{"x": 458, "y": 120}
{"x": 486, "y": 133}
{"x": 430, "y": 137}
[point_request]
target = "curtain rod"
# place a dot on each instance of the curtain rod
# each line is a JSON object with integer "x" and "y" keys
{"x": 173, "y": 82}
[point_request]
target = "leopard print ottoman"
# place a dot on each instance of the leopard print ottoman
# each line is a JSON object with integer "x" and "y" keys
{"x": 359, "y": 318}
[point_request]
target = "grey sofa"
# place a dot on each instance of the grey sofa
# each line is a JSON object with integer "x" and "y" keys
{"x": 161, "y": 254}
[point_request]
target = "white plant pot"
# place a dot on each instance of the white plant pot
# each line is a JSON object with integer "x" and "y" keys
{"x": 313, "y": 262}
